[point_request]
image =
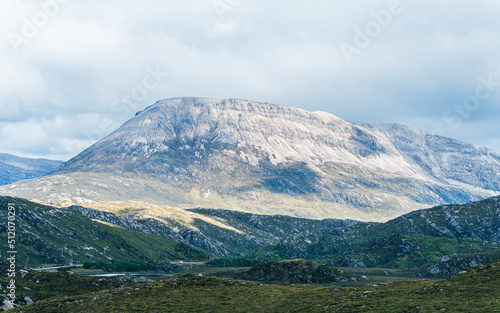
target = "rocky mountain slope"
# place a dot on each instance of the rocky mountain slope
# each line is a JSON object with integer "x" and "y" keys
{"x": 445, "y": 159}
{"x": 14, "y": 168}
{"x": 265, "y": 158}
{"x": 442, "y": 240}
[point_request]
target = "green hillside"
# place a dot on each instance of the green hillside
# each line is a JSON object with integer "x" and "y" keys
{"x": 57, "y": 236}
{"x": 437, "y": 241}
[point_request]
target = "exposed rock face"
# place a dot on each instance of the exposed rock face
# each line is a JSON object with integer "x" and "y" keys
{"x": 266, "y": 158}
{"x": 445, "y": 159}
{"x": 253, "y": 133}
{"x": 14, "y": 168}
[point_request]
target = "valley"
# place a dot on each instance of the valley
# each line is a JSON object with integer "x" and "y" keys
{"x": 475, "y": 288}
{"x": 215, "y": 199}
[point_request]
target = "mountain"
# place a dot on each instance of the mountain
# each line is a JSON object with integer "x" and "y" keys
{"x": 441, "y": 240}
{"x": 265, "y": 158}
{"x": 14, "y": 168}
{"x": 443, "y": 158}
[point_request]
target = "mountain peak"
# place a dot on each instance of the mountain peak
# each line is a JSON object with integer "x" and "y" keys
{"x": 267, "y": 158}
{"x": 280, "y": 134}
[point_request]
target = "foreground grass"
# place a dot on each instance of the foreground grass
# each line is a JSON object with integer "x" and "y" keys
{"x": 478, "y": 290}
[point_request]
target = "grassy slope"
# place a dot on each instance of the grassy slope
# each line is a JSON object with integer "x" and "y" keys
{"x": 48, "y": 234}
{"x": 475, "y": 291}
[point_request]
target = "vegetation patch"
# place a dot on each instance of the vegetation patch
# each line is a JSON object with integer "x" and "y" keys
{"x": 474, "y": 290}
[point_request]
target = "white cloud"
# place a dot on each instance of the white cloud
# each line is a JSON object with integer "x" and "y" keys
{"x": 63, "y": 81}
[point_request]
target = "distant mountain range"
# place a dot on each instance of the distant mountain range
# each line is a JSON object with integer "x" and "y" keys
{"x": 438, "y": 241}
{"x": 105, "y": 231}
{"x": 14, "y": 168}
{"x": 265, "y": 158}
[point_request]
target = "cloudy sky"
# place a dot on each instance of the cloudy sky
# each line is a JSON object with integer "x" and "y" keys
{"x": 72, "y": 71}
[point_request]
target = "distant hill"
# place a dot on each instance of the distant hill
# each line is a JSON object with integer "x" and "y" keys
{"x": 14, "y": 168}
{"x": 432, "y": 242}
{"x": 265, "y": 158}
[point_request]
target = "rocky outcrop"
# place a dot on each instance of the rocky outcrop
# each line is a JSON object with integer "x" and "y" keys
{"x": 296, "y": 271}
{"x": 450, "y": 265}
